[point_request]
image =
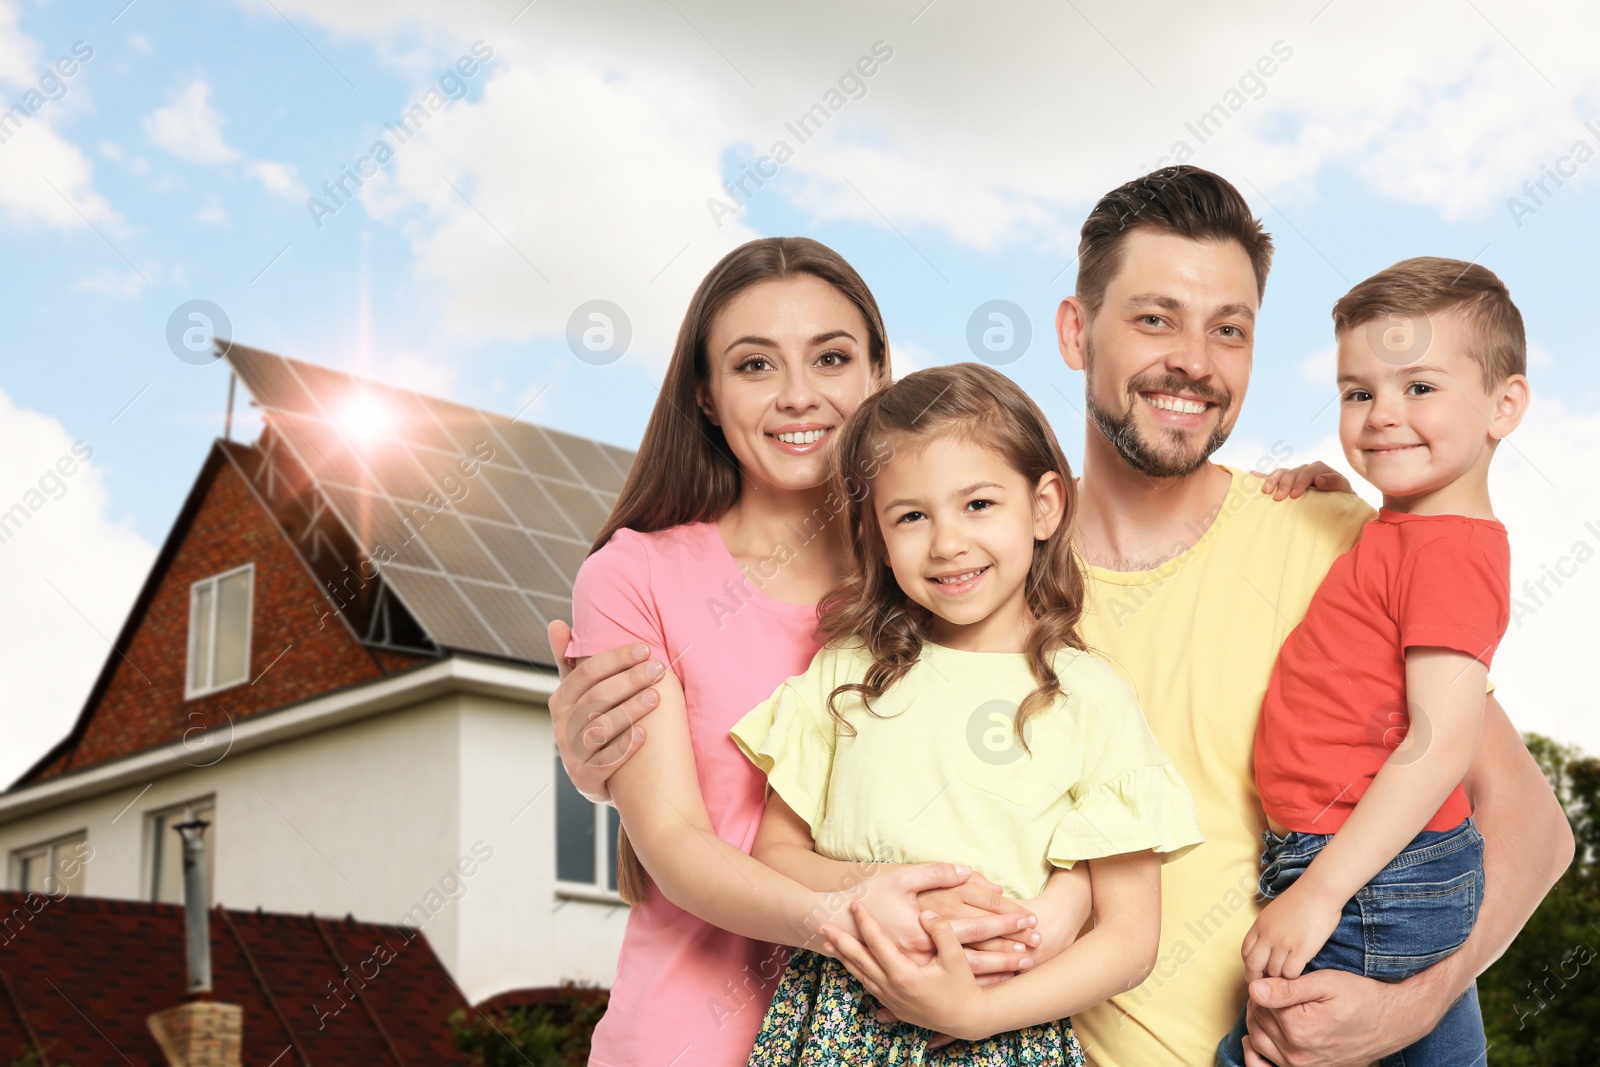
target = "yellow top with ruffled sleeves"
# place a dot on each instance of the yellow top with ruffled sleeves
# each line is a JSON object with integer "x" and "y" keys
{"x": 934, "y": 771}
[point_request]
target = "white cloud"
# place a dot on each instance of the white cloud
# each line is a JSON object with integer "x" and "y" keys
{"x": 75, "y": 568}
{"x": 1320, "y": 367}
{"x": 189, "y": 127}
{"x": 119, "y": 283}
{"x": 596, "y": 161}
{"x": 212, "y": 213}
{"x": 44, "y": 178}
{"x": 280, "y": 179}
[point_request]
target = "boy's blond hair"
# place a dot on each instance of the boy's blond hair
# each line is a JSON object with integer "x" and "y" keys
{"x": 1429, "y": 285}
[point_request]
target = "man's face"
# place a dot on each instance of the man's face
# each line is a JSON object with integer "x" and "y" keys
{"x": 1167, "y": 356}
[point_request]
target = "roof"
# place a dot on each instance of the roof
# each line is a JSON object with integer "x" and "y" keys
{"x": 456, "y": 530}
{"x": 84, "y": 973}
{"x": 477, "y": 522}
{"x": 138, "y": 699}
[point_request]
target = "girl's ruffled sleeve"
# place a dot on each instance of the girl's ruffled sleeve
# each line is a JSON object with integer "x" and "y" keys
{"x": 1129, "y": 797}
{"x": 790, "y": 737}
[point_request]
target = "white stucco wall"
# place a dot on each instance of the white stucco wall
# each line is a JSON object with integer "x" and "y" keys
{"x": 373, "y": 817}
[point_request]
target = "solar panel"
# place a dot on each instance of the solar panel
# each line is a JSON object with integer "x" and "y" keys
{"x": 484, "y": 551}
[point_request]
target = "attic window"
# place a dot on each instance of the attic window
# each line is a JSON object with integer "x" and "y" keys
{"x": 219, "y": 631}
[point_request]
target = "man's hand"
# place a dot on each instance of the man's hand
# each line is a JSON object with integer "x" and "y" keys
{"x": 596, "y": 709}
{"x": 1289, "y": 931}
{"x": 1294, "y": 481}
{"x": 1331, "y": 1018}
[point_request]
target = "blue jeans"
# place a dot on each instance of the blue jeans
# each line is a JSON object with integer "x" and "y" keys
{"x": 1418, "y": 910}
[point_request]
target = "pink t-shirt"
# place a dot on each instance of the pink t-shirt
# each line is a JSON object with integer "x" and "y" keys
{"x": 686, "y": 992}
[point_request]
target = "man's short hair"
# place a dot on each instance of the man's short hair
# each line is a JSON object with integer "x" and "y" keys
{"x": 1431, "y": 285}
{"x": 1185, "y": 200}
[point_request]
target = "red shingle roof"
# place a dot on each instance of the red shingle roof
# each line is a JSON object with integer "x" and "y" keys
{"x": 85, "y": 972}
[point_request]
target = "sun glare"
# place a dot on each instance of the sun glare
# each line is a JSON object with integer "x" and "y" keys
{"x": 366, "y": 419}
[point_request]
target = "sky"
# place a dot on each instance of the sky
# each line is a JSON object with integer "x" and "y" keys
{"x": 431, "y": 195}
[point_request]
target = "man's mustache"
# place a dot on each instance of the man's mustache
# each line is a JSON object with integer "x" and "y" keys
{"x": 1181, "y": 387}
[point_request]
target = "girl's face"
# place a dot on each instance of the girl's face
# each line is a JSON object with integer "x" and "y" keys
{"x": 959, "y": 524}
{"x": 788, "y": 361}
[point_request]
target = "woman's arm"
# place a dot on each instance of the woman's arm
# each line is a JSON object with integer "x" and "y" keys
{"x": 1113, "y": 957}
{"x": 657, "y": 793}
{"x": 1445, "y": 691}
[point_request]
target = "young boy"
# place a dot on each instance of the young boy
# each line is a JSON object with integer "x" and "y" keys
{"x": 1372, "y": 861}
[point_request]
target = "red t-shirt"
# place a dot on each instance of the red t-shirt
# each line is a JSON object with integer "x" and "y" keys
{"x": 1335, "y": 708}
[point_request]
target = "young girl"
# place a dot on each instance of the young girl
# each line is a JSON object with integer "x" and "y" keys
{"x": 954, "y": 710}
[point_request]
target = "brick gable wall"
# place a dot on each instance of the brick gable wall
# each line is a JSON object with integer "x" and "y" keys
{"x": 143, "y": 705}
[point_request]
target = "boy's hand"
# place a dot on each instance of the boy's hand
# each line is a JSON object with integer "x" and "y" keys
{"x": 1289, "y": 932}
{"x": 1294, "y": 481}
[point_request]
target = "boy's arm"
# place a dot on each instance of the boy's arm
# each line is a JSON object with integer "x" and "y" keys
{"x": 1334, "y": 1019}
{"x": 1445, "y": 691}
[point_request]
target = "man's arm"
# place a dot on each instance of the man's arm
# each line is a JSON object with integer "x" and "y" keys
{"x": 1334, "y": 1019}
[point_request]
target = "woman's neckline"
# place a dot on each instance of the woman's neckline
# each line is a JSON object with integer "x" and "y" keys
{"x": 746, "y": 588}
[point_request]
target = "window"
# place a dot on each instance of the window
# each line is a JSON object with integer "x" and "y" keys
{"x": 586, "y": 842}
{"x": 164, "y": 849}
{"x": 219, "y": 631}
{"x": 54, "y": 867}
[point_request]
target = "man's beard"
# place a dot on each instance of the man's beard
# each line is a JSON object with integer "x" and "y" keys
{"x": 1152, "y": 458}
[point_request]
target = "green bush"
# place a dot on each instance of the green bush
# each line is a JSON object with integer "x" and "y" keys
{"x": 543, "y": 1035}
{"x": 1541, "y": 1000}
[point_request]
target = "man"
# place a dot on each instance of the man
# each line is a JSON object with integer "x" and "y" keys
{"x": 1195, "y": 577}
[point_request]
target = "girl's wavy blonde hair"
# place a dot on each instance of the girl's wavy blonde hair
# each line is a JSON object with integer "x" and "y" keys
{"x": 973, "y": 402}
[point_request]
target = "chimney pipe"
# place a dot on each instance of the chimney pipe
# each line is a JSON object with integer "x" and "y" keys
{"x": 196, "y": 908}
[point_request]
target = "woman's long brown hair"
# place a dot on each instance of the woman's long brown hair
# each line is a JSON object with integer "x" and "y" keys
{"x": 684, "y": 471}
{"x": 977, "y": 403}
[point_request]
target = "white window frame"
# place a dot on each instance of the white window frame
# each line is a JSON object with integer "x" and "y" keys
{"x": 46, "y": 850}
{"x": 211, "y": 625}
{"x": 152, "y": 854}
{"x": 604, "y": 858}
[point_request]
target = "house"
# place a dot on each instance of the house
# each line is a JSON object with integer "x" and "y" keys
{"x": 339, "y": 662}
{"x": 378, "y": 993}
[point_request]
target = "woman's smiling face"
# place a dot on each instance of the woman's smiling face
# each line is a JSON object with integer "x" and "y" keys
{"x": 787, "y": 361}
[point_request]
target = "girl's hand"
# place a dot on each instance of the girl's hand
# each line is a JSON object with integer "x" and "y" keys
{"x": 893, "y": 896}
{"x": 1294, "y": 481}
{"x": 941, "y": 995}
{"x": 1289, "y": 932}
{"x": 998, "y": 932}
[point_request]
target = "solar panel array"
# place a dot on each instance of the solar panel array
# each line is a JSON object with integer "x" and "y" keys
{"x": 486, "y": 571}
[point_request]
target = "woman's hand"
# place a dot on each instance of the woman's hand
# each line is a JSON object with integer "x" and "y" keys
{"x": 596, "y": 709}
{"x": 941, "y": 995}
{"x": 895, "y": 896}
{"x": 1294, "y": 481}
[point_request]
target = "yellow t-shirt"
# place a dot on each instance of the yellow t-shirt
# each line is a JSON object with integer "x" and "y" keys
{"x": 1198, "y": 636}
{"x": 934, "y": 771}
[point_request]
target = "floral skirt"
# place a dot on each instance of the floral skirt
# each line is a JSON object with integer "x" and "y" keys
{"x": 820, "y": 1016}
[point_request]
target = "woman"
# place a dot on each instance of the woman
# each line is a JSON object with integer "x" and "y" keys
{"x": 719, "y": 548}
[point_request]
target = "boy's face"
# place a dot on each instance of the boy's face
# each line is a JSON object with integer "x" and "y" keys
{"x": 959, "y": 527}
{"x": 1414, "y": 414}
